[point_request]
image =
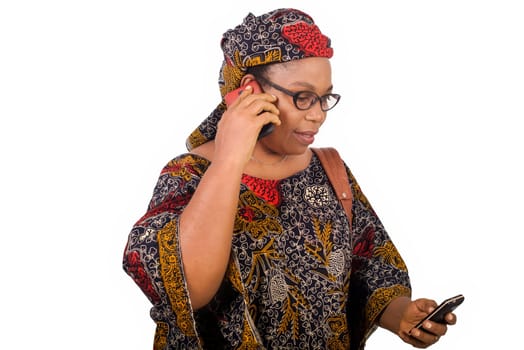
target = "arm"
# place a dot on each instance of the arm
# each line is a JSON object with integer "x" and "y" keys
{"x": 379, "y": 275}
{"x": 178, "y": 251}
{"x": 206, "y": 227}
{"x": 152, "y": 256}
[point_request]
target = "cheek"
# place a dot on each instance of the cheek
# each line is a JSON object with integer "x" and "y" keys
{"x": 290, "y": 121}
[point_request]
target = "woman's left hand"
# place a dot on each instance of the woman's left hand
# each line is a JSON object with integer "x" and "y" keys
{"x": 430, "y": 332}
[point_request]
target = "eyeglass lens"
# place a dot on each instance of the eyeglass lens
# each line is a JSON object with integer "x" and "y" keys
{"x": 305, "y": 100}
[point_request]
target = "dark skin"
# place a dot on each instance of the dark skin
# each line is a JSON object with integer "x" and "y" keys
{"x": 206, "y": 239}
{"x": 402, "y": 314}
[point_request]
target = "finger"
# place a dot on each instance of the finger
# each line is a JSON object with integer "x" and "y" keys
{"x": 435, "y": 328}
{"x": 269, "y": 118}
{"x": 426, "y": 305}
{"x": 451, "y": 318}
{"x": 235, "y": 97}
{"x": 248, "y": 91}
{"x": 426, "y": 338}
{"x": 261, "y": 109}
{"x": 413, "y": 341}
{"x": 263, "y": 106}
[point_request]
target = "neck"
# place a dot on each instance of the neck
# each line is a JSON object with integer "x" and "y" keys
{"x": 278, "y": 161}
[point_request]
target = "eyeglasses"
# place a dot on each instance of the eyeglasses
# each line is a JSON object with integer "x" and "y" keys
{"x": 304, "y": 100}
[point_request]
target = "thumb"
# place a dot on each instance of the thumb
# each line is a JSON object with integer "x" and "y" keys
{"x": 426, "y": 305}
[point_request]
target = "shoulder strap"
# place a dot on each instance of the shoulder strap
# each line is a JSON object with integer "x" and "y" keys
{"x": 336, "y": 172}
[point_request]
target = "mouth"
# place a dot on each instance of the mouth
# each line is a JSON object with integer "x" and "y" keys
{"x": 305, "y": 137}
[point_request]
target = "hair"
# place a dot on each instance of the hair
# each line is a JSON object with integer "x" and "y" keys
{"x": 259, "y": 71}
{"x": 263, "y": 70}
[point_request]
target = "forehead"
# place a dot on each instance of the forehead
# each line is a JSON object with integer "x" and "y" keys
{"x": 315, "y": 71}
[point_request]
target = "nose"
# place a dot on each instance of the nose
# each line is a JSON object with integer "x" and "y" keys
{"x": 315, "y": 113}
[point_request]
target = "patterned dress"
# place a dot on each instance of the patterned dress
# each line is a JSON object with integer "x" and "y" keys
{"x": 298, "y": 278}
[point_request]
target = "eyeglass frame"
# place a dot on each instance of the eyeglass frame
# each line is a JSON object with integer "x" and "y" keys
{"x": 296, "y": 94}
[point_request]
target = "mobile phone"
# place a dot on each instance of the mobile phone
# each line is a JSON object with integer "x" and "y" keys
{"x": 231, "y": 96}
{"x": 444, "y": 308}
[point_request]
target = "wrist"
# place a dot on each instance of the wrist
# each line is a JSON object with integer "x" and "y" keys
{"x": 392, "y": 314}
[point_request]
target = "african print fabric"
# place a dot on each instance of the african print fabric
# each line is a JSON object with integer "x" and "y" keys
{"x": 299, "y": 277}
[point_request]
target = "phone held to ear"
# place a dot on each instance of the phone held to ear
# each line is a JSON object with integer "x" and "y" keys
{"x": 231, "y": 96}
{"x": 442, "y": 310}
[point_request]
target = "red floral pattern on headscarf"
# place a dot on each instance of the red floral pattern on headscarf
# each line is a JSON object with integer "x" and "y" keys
{"x": 309, "y": 38}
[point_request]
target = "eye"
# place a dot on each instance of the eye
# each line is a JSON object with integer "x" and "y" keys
{"x": 305, "y": 98}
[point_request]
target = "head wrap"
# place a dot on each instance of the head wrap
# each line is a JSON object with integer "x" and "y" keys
{"x": 278, "y": 36}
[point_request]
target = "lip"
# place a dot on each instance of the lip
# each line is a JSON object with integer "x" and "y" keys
{"x": 305, "y": 137}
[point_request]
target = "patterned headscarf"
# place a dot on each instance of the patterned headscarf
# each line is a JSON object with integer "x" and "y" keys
{"x": 278, "y": 36}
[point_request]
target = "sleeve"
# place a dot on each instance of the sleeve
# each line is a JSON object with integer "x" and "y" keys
{"x": 378, "y": 273}
{"x": 152, "y": 254}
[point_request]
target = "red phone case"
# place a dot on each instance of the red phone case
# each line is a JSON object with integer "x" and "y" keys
{"x": 233, "y": 95}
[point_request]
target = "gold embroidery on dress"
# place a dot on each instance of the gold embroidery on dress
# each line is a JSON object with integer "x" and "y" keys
{"x": 338, "y": 325}
{"x": 233, "y": 275}
{"x": 160, "y": 342}
{"x": 256, "y": 217}
{"x": 248, "y": 340}
{"x": 262, "y": 261}
{"x": 182, "y": 167}
{"x": 380, "y": 299}
{"x": 294, "y": 301}
{"x": 196, "y": 138}
{"x": 173, "y": 279}
{"x": 357, "y": 192}
{"x": 333, "y": 261}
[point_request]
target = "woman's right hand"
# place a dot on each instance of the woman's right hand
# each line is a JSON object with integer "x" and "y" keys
{"x": 241, "y": 123}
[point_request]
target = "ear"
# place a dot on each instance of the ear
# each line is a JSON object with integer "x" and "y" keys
{"x": 246, "y": 79}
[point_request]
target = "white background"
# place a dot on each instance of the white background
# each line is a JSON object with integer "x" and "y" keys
{"x": 96, "y": 96}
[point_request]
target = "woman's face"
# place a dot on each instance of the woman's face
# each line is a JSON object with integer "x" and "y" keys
{"x": 299, "y": 127}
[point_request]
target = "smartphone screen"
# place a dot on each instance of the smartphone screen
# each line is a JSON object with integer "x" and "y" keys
{"x": 444, "y": 308}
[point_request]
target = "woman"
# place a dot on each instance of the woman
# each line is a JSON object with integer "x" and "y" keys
{"x": 244, "y": 244}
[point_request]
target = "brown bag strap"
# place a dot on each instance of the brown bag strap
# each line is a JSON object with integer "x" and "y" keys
{"x": 336, "y": 171}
